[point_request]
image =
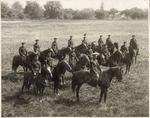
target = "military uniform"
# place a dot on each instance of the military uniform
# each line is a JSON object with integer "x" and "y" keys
{"x": 22, "y": 51}
{"x": 55, "y": 46}
{"x": 105, "y": 52}
{"x": 70, "y": 42}
{"x": 36, "y": 47}
{"x": 36, "y": 67}
{"x": 100, "y": 42}
{"x": 123, "y": 48}
{"x": 95, "y": 68}
{"x": 133, "y": 43}
{"x": 49, "y": 60}
{"x": 73, "y": 59}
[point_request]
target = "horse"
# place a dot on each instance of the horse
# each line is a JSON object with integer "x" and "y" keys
{"x": 25, "y": 62}
{"x": 81, "y": 49}
{"x": 82, "y": 62}
{"x": 61, "y": 54}
{"x": 134, "y": 53}
{"x": 103, "y": 81}
{"x": 117, "y": 58}
{"x": 58, "y": 74}
{"x": 38, "y": 81}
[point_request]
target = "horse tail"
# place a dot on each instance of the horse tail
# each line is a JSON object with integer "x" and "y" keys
{"x": 73, "y": 83}
{"x": 15, "y": 62}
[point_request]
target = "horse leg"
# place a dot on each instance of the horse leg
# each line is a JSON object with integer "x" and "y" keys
{"x": 77, "y": 92}
{"x": 126, "y": 68}
{"x": 23, "y": 87}
{"x": 101, "y": 95}
{"x": 105, "y": 95}
{"x": 135, "y": 59}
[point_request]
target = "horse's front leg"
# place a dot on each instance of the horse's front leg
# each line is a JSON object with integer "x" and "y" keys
{"x": 101, "y": 95}
{"x": 105, "y": 95}
{"x": 77, "y": 93}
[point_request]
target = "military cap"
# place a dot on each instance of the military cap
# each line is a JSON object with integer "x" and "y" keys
{"x": 84, "y": 34}
{"x": 36, "y": 40}
{"x": 133, "y": 35}
{"x": 23, "y": 43}
{"x": 124, "y": 42}
{"x": 101, "y": 35}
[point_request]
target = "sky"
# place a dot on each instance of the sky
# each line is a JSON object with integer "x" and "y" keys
{"x": 95, "y": 4}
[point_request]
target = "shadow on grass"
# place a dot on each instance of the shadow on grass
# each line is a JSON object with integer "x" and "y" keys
{"x": 17, "y": 98}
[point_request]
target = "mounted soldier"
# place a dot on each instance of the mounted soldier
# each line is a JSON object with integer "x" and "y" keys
{"x": 55, "y": 46}
{"x": 109, "y": 44}
{"x": 36, "y": 47}
{"x": 35, "y": 66}
{"x": 94, "y": 65}
{"x": 105, "y": 51}
{"x": 73, "y": 58}
{"x": 70, "y": 42}
{"x": 23, "y": 53}
{"x": 49, "y": 59}
{"x": 124, "y": 49}
{"x": 133, "y": 43}
{"x": 100, "y": 41}
{"x": 90, "y": 51}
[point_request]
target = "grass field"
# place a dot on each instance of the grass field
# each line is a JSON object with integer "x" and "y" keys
{"x": 128, "y": 98}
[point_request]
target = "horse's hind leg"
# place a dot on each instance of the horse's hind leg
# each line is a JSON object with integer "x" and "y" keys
{"x": 105, "y": 95}
{"x": 101, "y": 95}
{"x": 77, "y": 92}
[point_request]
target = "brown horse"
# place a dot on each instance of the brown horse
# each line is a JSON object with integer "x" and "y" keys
{"x": 103, "y": 81}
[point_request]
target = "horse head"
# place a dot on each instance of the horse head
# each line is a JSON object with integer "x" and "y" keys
{"x": 67, "y": 66}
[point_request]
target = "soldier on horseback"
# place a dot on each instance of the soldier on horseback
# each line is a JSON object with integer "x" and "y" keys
{"x": 133, "y": 43}
{"x": 94, "y": 66}
{"x": 35, "y": 66}
{"x": 109, "y": 44}
{"x": 49, "y": 60}
{"x": 105, "y": 51}
{"x": 70, "y": 42}
{"x": 84, "y": 42}
{"x": 55, "y": 46}
{"x": 23, "y": 53}
{"x": 100, "y": 41}
{"x": 124, "y": 49}
{"x": 36, "y": 47}
{"x": 73, "y": 58}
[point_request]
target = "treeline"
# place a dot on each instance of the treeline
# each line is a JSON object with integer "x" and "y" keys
{"x": 55, "y": 10}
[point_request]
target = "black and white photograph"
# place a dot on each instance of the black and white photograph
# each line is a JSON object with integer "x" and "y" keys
{"x": 74, "y": 58}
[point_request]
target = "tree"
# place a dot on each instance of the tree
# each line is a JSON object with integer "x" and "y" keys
{"x": 136, "y": 13}
{"x": 126, "y": 13}
{"x": 68, "y": 13}
{"x": 5, "y": 10}
{"x": 17, "y": 11}
{"x": 33, "y": 10}
{"x": 87, "y": 13}
{"x": 53, "y": 9}
{"x": 99, "y": 14}
{"x": 112, "y": 12}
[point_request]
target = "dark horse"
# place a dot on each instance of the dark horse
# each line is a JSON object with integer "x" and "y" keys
{"x": 103, "y": 81}
{"x": 83, "y": 62}
{"x": 58, "y": 74}
{"x": 80, "y": 49}
{"x": 38, "y": 81}
{"x": 61, "y": 54}
{"x": 25, "y": 62}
